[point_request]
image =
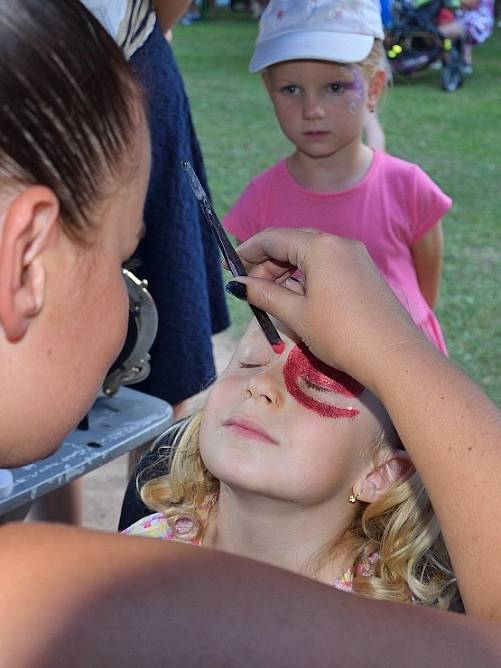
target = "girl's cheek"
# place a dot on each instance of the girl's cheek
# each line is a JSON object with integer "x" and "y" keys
{"x": 354, "y": 108}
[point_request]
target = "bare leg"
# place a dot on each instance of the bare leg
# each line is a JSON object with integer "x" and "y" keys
{"x": 467, "y": 54}
{"x": 79, "y": 598}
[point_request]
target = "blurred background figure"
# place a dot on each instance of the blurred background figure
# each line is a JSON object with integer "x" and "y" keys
{"x": 192, "y": 14}
{"x": 473, "y": 23}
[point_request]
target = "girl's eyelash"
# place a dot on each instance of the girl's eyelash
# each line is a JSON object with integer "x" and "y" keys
{"x": 312, "y": 386}
{"x": 340, "y": 85}
{"x": 246, "y": 365}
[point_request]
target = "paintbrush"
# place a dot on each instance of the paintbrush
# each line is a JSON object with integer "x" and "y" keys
{"x": 234, "y": 263}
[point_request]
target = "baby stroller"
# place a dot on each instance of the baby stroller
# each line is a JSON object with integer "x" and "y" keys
{"x": 415, "y": 42}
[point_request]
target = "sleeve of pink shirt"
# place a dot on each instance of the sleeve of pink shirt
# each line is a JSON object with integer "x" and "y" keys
{"x": 431, "y": 204}
{"x": 243, "y": 219}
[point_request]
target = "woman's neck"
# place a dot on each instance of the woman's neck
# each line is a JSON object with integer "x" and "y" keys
{"x": 278, "y": 532}
{"x": 333, "y": 173}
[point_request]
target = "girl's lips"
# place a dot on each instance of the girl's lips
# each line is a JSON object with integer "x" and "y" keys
{"x": 248, "y": 428}
{"x": 319, "y": 134}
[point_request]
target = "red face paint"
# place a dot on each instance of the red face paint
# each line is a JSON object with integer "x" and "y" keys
{"x": 303, "y": 367}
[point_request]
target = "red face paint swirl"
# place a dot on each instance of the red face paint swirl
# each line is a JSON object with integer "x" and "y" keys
{"x": 302, "y": 365}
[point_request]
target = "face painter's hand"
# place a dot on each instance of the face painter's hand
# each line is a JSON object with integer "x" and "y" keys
{"x": 347, "y": 315}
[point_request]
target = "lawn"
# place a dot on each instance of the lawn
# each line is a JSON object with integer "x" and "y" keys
{"x": 456, "y": 138}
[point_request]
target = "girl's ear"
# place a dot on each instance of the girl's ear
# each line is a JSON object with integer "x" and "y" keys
{"x": 395, "y": 469}
{"x": 376, "y": 86}
{"x": 29, "y": 226}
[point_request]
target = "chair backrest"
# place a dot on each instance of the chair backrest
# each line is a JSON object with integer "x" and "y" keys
{"x": 152, "y": 464}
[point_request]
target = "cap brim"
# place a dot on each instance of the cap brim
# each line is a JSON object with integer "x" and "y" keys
{"x": 318, "y": 45}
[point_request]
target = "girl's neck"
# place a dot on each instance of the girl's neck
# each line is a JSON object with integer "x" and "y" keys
{"x": 279, "y": 532}
{"x": 334, "y": 173}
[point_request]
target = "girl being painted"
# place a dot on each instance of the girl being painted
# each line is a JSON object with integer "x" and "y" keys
{"x": 296, "y": 464}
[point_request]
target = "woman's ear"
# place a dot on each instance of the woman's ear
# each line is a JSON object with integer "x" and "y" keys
{"x": 396, "y": 468}
{"x": 28, "y": 228}
{"x": 376, "y": 86}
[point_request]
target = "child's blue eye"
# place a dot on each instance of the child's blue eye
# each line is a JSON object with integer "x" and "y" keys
{"x": 337, "y": 87}
{"x": 290, "y": 90}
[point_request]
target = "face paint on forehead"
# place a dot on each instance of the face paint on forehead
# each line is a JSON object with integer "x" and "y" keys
{"x": 302, "y": 365}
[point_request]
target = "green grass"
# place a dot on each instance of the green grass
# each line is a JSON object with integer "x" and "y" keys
{"x": 456, "y": 138}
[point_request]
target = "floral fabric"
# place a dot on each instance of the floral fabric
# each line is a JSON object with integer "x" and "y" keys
{"x": 157, "y": 526}
{"x": 478, "y": 22}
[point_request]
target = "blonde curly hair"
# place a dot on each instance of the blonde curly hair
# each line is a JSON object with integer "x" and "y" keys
{"x": 401, "y": 527}
{"x": 376, "y": 60}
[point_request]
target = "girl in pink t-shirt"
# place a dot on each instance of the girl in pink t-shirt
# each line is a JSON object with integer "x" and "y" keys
{"x": 321, "y": 65}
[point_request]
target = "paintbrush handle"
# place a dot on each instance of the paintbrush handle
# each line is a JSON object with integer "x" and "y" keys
{"x": 234, "y": 262}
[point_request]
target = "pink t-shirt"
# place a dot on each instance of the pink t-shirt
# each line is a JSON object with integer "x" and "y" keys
{"x": 389, "y": 210}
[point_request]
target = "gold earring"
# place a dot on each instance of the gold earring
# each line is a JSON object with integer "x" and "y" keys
{"x": 353, "y": 498}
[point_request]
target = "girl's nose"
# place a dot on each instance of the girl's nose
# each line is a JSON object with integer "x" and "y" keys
{"x": 313, "y": 109}
{"x": 265, "y": 388}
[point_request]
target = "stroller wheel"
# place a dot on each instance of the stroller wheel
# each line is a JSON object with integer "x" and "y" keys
{"x": 451, "y": 78}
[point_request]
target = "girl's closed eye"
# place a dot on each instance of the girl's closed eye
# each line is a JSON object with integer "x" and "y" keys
{"x": 313, "y": 386}
{"x": 253, "y": 352}
{"x": 253, "y": 357}
{"x": 249, "y": 365}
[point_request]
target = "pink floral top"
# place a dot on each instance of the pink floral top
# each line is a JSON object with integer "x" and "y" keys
{"x": 156, "y": 526}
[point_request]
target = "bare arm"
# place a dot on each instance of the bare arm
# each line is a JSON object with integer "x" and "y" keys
{"x": 169, "y": 12}
{"x": 78, "y": 598}
{"x": 452, "y": 431}
{"x": 427, "y": 254}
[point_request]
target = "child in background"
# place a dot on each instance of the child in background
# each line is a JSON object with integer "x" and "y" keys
{"x": 294, "y": 463}
{"x": 321, "y": 65}
{"x": 473, "y": 23}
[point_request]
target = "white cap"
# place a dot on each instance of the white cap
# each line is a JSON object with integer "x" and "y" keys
{"x": 338, "y": 30}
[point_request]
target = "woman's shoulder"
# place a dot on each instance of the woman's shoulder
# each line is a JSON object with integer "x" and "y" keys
{"x": 151, "y": 526}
